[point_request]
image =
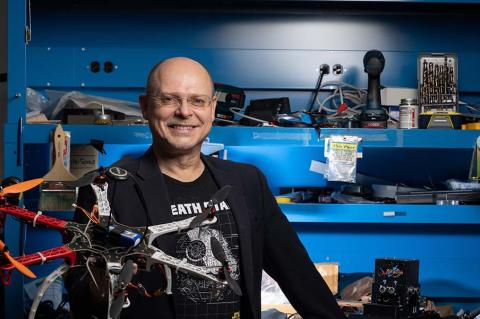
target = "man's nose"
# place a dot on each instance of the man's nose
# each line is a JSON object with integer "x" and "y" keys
{"x": 184, "y": 108}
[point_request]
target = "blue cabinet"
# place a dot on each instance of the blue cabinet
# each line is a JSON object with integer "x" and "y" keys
{"x": 270, "y": 53}
{"x": 441, "y": 237}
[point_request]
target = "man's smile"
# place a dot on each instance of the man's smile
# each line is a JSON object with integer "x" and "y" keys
{"x": 182, "y": 128}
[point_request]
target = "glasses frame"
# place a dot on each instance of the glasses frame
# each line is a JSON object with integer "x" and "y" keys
{"x": 178, "y": 100}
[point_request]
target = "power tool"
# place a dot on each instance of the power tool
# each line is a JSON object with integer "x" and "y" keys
{"x": 373, "y": 115}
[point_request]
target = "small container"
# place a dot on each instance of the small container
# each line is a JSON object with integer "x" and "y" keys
{"x": 103, "y": 118}
{"x": 409, "y": 113}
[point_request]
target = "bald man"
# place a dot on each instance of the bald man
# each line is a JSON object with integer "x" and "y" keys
{"x": 179, "y": 127}
{"x": 176, "y": 182}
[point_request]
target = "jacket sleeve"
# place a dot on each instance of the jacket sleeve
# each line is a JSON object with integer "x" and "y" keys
{"x": 287, "y": 261}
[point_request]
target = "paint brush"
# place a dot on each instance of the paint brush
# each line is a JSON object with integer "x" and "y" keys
{"x": 56, "y": 193}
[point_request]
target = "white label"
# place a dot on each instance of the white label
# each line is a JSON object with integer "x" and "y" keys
{"x": 408, "y": 116}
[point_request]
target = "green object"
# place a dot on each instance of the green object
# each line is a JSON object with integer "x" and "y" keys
{"x": 475, "y": 164}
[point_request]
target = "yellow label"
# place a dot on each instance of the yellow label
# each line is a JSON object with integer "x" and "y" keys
{"x": 343, "y": 146}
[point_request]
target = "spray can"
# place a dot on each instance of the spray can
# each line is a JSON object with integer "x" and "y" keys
{"x": 408, "y": 113}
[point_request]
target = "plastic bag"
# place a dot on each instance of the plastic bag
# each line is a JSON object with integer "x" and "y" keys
{"x": 457, "y": 184}
{"x": 37, "y": 103}
{"x": 358, "y": 290}
{"x": 341, "y": 152}
{"x": 81, "y": 100}
{"x": 271, "y": 292}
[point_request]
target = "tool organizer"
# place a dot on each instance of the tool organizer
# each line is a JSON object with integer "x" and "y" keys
{"x": 437, "y": 83}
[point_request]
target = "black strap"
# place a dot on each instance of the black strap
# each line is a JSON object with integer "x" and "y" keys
{"x": 3, "y": 77}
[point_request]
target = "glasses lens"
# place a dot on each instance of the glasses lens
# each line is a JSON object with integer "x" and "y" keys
{"x": 199, "y": 100}
{"x": 166, "y": 99}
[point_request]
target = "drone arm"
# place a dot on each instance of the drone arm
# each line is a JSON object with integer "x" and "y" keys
{"x": 162, "y": 229}
{"x": 36, "y": 218}
{"x": 160, "y": 257}
{"x": 37, "y": 258}
{"x": 44, "y": 256}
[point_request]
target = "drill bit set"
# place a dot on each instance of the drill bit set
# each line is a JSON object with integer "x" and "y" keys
{"x": 438, "y": 91}
{"x": 438, "y": 83}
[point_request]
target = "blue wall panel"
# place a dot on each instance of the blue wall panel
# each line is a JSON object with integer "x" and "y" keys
{"x": 51, "y": 66}
{"x": 260, "y": 50}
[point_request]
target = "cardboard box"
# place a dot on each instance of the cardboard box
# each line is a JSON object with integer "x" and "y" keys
{"x": 83, "y": 159}
{"x": 329, "y": 272}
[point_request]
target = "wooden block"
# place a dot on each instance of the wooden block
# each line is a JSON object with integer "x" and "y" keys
{"x": 329, "y": 272}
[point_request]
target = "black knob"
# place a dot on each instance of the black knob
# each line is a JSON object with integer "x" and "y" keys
{"x": 108, "y": 66}
{"x": 94, "y": 66}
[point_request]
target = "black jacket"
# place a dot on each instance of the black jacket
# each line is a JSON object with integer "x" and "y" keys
{"x": 267, "y": 240}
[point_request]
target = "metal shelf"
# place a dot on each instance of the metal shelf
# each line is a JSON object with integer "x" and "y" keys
{"x": 257, "y": 136}
{"x": 82, "y": 134}
{"x": 378, "y": 138}
{"x": 381, "y": 213}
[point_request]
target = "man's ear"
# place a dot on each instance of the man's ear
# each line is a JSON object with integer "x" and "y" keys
{"x": 143, "y": 101}
{"x": 213, "y": 105}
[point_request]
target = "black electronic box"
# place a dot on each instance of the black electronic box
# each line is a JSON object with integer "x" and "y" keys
{"x": 395, "y": 289}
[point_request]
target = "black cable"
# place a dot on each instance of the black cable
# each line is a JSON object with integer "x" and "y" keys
{"x": 324, "y": 69}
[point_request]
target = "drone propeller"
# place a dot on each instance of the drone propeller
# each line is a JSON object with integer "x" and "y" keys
{"x": 114, "y": 172}
{"x": 21, "y": 267}
{"x": 217, "y": 198}
{"x": 124, "y": 279}
{"x": 220, "y": 255}
{"x": 21, "y": 187}
{"x": 86, "y": 179}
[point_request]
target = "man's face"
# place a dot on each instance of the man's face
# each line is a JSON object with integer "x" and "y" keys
{"x": 181, "y": 109}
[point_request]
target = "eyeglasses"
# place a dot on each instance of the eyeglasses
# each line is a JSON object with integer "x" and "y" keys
{"x": 197, "y": 101}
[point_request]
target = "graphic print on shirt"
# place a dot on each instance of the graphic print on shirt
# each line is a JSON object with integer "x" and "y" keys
{"x": 194, "y": 246}
{"x": 195, "y": 208}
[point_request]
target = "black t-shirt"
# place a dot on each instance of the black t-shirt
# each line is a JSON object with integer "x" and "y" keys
{"x": 195, "y": 297}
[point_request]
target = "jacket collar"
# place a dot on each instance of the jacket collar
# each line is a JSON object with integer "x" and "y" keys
{"x": 153, "y": 189}
{"x": 148, "y": 166}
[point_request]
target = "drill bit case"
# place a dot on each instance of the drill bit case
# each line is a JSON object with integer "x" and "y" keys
{"x": 438, "y": 83}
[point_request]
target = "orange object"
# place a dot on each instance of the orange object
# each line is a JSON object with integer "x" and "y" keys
{"x": 21, "y": 187}
{"x": 471, "y": 126}
{"x": 21, "y": 267}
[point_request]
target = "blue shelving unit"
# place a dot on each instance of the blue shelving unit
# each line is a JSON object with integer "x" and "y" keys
{"x": 271, "y": 55}
{"x": 442, "y": 238}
